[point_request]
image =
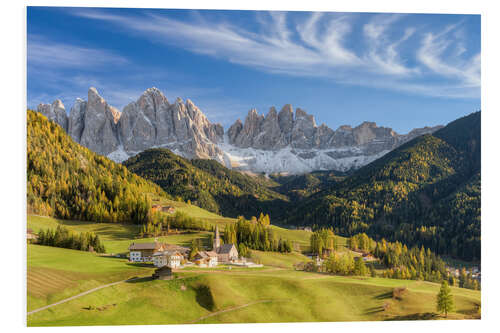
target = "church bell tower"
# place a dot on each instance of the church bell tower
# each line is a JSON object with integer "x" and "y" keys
{"x": 216, "y": 244}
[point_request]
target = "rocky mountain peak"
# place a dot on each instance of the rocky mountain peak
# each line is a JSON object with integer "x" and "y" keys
{"x": 284, "y": 141}
{"x": 55, "y": 112}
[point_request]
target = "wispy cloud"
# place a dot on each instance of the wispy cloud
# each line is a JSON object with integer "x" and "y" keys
{"x": 441, "y": 53}
{"x": 318, "y": 46}
{"x": 42, "y": 51}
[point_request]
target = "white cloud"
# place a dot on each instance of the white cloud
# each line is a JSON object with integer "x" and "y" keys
{"x": 49, "y": 53}
{"x": 321, "y": 45}
{"x": 434, "y": 54}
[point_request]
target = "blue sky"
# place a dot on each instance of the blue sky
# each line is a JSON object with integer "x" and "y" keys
{"x": 399, "y": 70}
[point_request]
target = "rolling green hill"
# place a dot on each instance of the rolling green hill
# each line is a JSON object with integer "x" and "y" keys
{"x": 223, "y": 296}
{"x": 426, "y": 192}
{"x": 69, "y": 181}
{"x": 208, "y": 184}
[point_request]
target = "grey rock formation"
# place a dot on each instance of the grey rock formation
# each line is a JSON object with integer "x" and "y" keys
{"x": 151, "y": 121}
{"x": 77, "y": 119}
{"x": 275, "y": 131}
{"x": 55, "y": 112}
{"x": 286, "y": 143}
{"x": 99, "y": 125}
{"x": 281, "y": 141}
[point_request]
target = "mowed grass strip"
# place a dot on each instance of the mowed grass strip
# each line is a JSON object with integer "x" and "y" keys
{"x": 55, "y": 273}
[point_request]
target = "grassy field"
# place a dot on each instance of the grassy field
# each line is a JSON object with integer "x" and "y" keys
{"x": 117, "y": 237}
{"x": 54, "y": 273}
{"x": 267, "y": 295}
{"x": 274, "y": 293}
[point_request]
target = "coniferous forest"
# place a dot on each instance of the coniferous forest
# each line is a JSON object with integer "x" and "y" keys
{"x": 67, "y": 180}
{"x": 424, "y": 193}
{"x": 207, "y": 183}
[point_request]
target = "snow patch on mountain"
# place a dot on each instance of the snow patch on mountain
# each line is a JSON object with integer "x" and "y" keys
{"x": 292, "y": 160}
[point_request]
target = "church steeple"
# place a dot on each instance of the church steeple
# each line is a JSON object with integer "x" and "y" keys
{"x": 216, "y": 244}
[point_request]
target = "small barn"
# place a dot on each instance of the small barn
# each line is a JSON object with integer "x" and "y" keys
{"x": 163, "y": 273}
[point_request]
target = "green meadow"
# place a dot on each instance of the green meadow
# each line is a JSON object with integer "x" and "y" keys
{"x": 274, "y": 293}
{"x": 266, "y": 295}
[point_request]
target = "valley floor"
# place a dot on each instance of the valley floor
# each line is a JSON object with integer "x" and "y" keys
{"x": 275, "y": 293}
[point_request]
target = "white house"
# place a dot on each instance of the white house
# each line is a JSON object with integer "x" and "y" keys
{"x": 171, "y": 259}
{"x": 206, "y": 259}
{"x": 143, "y": 252}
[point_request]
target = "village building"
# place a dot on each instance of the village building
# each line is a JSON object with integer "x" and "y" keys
{"x": 163, "y": 209}
{"x": 163, "y": 273}
{"x": 30, "y": 235}
{"x": 181, "y": 249}
{"x": 226, "y": 253}
{"x": 143, "y": 252}
{"x": 168, "y": 209}
{"x": 170, "y": 258}
{"x": 206, "y": 259}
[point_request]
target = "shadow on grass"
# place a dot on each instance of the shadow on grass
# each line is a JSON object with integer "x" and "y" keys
{"x": 384, "y": 295}
{"x": 204, "y": 297}
{"x": 139, "y": 280}
{"x": 139, "y": 264}
{"x": 415, "y": 316}
{"x": 375, "y": 309}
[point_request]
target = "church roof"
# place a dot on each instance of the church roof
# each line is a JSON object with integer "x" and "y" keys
{"x": 225, "y": 248}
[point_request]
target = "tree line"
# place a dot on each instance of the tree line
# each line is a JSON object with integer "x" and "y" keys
{"x": 62, "y": 237}
{"x": 255, "y": 234}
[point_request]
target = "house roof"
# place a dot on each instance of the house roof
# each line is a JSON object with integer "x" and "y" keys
{"x": 206, "y": 254}
{"x": 29, "y": 231}
{"x": 201, "y": 254}
{"x": 167, "y": 253}
{"x": 211, "y": 253}
{"x": 145, "y": 246}
{"x": 179, "y": 248}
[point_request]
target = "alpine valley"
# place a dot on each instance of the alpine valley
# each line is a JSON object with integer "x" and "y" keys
{"x": 423, "y": 188}
{"x": 284, "y": 142}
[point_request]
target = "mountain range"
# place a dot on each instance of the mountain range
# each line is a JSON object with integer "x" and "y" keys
{"x": 280, "y": 142}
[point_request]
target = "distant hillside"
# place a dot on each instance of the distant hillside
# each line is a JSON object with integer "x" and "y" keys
{"x": 298, "y": 187}
{"x": 426, "y": 192}
{"x": 208, "y": 184}
{"x": 69, "y": 181}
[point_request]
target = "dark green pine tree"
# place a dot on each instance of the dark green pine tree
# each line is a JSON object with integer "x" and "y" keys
{"x": 445, "y": 303}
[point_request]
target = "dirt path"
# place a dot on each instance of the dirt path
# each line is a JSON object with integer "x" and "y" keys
{"x": 231, "y": 309}
{"x": 79, "y": 295}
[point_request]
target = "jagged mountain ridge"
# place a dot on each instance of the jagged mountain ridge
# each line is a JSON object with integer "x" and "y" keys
{"x": 284, "y": 142}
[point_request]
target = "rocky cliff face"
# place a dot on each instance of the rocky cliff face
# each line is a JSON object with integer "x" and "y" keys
{"x": 288, "y": 142}
{"x": 281, "y": 141}
{"x": 151, "y": 121}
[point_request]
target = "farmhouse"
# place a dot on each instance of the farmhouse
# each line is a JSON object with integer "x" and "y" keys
{"x": 143, "y": 252}
{"x": 163, "y": 209}
{"x": 168, "y": 209}
{"x": 170, "y": 258}
{"x": 181, "y": 249}
{"x": 206, "y": 259}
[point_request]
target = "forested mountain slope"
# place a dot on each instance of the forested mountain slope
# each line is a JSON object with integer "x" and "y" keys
{"x": 426, "y": 192}
{"x": 207, "y": 184}
{"x": 69, "y": 181}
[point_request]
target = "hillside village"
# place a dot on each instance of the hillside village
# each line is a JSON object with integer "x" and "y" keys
{"x": 177, "y": 257}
